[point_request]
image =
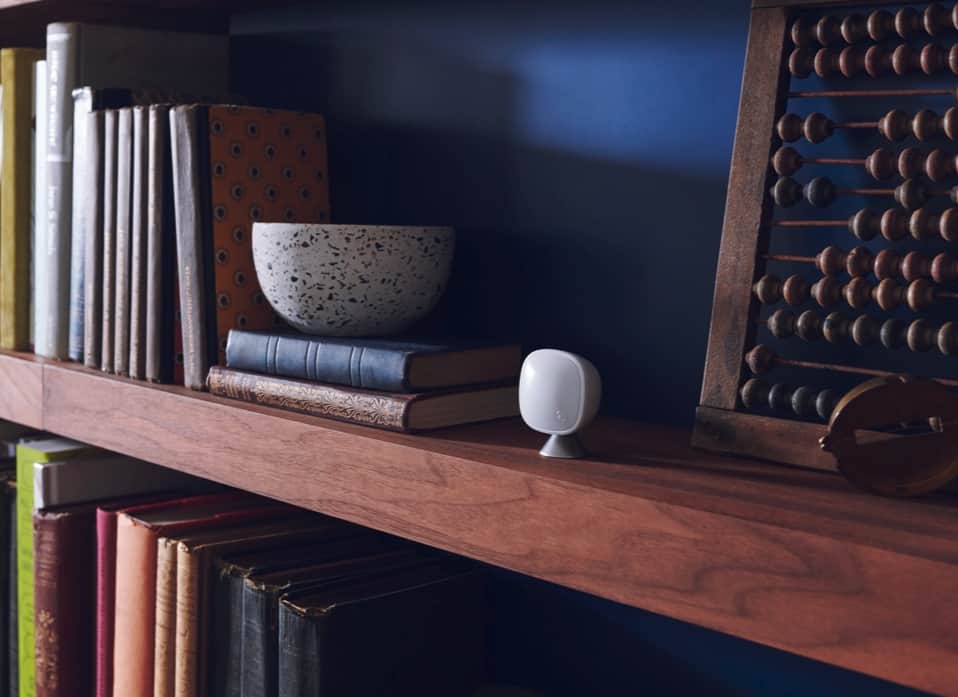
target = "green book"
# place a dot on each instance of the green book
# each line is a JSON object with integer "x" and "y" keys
{"x": 28, "y": 453}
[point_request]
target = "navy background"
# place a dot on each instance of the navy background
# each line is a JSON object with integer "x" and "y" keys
{"x": 581, "y": 149}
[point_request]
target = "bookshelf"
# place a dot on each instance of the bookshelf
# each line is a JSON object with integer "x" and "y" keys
{"x": 789, "y": 558}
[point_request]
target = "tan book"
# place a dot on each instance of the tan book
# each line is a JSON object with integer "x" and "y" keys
{"x": 165, "y": 635}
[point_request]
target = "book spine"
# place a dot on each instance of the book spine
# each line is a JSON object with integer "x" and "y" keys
{"x": 187, "y": 622}
{"x": 63, "y": 614}
{"x": 13, "y": 628}
{"x": 91, "y": 209}
{"x": 366, "y": 408}
{"x": 16, "y": 75}
{"x": 165, "y": 636}
{"x": 135, "y": 609}
{"x": 84, "y": 187}
{"x": 186, "y": 142}
{"x": 299, "y": 669}
{"x": 63, "y": 43}
{"x": 138, "y": 234}
{"x": 160, "y": 251}
{"x": 24, "y": 534}
{"x": 39, "y": 297}
{"x": 258, "y": 668}
{"x": 306, "y": 358}
{"x": 121, "y": 277}
{"x": 227, "y": 637}
{"x": 6, "y": 576}
{"x": 108, "y": 253}
{"x": 105, "y": 598}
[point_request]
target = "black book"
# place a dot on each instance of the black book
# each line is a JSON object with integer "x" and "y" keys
{"x": 416, "y": 631}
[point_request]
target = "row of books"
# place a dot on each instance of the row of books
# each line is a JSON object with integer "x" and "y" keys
{"x": 136, "y": 581}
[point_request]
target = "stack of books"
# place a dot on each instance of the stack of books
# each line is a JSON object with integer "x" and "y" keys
{"x": 393, "y": 384}
{"x": 136, "y": 581}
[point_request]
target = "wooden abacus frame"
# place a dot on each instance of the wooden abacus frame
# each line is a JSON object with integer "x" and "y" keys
{"x": 719, "y": 426}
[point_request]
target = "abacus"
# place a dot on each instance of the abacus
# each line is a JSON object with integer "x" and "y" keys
{"x": 837, "y": 262}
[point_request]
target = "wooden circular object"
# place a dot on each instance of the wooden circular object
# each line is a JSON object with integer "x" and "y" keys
{"x": 948, "y": 225}
{"x": 948, "y": 338}
{"x": 821, "y": 192}
{"x": 760, "y": 359}
{"x": 786, "y": 161}
{"x": 787, "y": 192}
{"x": 817, "y": 127}
{"x": 859, "y": 261}
{"x": 857, "y": 292}
{"x": 831, "y": 260}
{"x": 754, "y": 393}
{"x": 910, "y": 194}
{"x": 936, "y": 20}
{"x": 803, "y": 32}
{"x": 944, "y": 268}
{"x": 908, "y": 23}
{"x": 835, "y": 328}
{"x": 808, "y": 327}
{"x": 880, "y": 25}
{"x": 878, "y": 61}
{"x": 895, "y": 125}
{"x": 865, "y": 330}
{"x": 923, "y": 224}
{"x": 892, "y": 333}
{"x": 768, "y": 289}
{"x": 915, "y": 265}
{"x": 781, "y": 323}
{"x": 795, "y": 290}
{"x": 801, "y": 62}
{"x": 881, "y": 164}
{"x": 894, "y": 224}
{"x": 828, "y": 31}
{"x": 921, "y": 336}
{"x": 789, "y": 127}
{"x": 887, "y": 264}
{"x": 854, "y": 29}
{"x": 865, "y": 224}
{"x": 827, "y": 291}
{"x": 895, "y": 466}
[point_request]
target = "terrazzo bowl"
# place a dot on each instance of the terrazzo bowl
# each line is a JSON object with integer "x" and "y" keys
{"x": 352, "y": 280}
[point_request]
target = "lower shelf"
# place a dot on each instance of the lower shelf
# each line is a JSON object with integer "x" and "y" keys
{"x": 786, "y": 557}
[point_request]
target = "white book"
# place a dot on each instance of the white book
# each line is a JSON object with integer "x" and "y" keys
{"x": 104, "y": 477}
{"x": 38, "y": 269}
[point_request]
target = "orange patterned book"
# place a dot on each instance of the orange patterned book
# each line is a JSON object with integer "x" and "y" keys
{"x": 233, "y": 166}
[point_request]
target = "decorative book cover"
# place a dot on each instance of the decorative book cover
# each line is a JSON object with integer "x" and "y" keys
{"x": 16, "y": 183}
{"x": 235, "y": 166}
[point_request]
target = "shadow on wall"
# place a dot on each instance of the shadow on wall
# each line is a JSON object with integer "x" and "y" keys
{"x": 581, "y": 152}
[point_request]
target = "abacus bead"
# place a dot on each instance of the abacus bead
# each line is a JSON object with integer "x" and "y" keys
{"x": 949, "y": 122}
{"x": 789, "y": 127}
{"x": 865, "y": 330}
{"x": 803, "y": 401}
{"x": 895, "y": 125}
{"x": 835, "y": 327}
{"x": 877, "y": 61}
{"x": 888, "y": 295}
{"x": 827, "y": 291}
{"x": 768, "y": 290}
{"x": 948, "y": 338}
{"x": 825, "y": 403}
{"x": 944, "y": 268}
{"x": 821, "y": 192}
{"x": 921, "y": 336}
{"x": 781, "y": 323}
{"x": 780, "y": 397}
{"x": 948, "y": 224}
{"x": 754, "y": 393}
{"x": 880, "y": 164}
{"x": 939, "y": 165}
{"x": 830, "y": 261}
{"x": 903, "y": 59}
{"x": 854, "y": 29}
{"x": 908, "y": 22}
{"x": 880, "y": 25}
{"x": 887, "y": 263}
{"x": 809, "y": 326}
{"x": 851, "y": 61}
{"x": 760, "y": 359}
{"x": 893, "y": 333}
{"x": 803, "y": 32}
{"x": 952, "y": 60}
{"x": 857, "y": 292}
{"x": 910, "y": 194}
{"x": 786, "y": 161}
{"x": 786, "y": 192}
{"x": 828, "y": 31}
{"x": 827, "y": 62}
{"x": 801, "y": 61}
{"x": 894, "y": 224}
{"x": 910, "y": 162}
{"x": 915, "y": 265}
{"x": 817, "y": 127}
{"x": 923, "y": 224}
{"x": 864, "y": 224}
{"x": 920, "y": 294}
{"x": 932, "y": 59}
{"x": 936, "y": 20}
{"x": 795, "y": 290}
{"x": 926, "y": 125}
{"x": 859, "y": 261}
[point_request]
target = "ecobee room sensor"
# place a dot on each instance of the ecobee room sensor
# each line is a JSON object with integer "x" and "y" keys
{"x": 559, "y": 394}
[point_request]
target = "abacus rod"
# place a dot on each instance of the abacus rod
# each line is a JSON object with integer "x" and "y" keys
{"x": 810, "y": 223}
{"x": 789, "y": 257}
{"x": 833, "y": 161}
{"x": 856, "y": 124}
{"x": 855, "y": 370}
{"x": 919, "y": 92}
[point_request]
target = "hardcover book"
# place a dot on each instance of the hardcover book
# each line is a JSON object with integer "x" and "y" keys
{"x": 40, "y": 344}
{"x": 16, "y": 184}
{"x": 138, "y": 242}
{"x": 372, "y": 364}
{"x": 162, "y": 298}
{"x": 233, "y": 166}
{"x": 12, "y": 655}
{"x": 7, "y": 568}
{"x": 121, "y": 248}
{"x": 108, "y": 239}
{"x": 101, "y": 56}
{"x": 392, "y": 411}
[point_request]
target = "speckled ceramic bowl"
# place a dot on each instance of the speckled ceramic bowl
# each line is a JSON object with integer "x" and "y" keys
{"x": 352, "y": 280}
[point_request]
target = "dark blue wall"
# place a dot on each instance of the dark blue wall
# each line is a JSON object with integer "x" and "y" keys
{"x": 582, "y": 151}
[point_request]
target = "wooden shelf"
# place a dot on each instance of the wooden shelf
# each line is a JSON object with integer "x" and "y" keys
{"x": 785, "y": 557}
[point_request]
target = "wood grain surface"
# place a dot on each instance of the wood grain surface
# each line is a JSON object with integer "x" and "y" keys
{"x": 21, "y": 389}
{"x": 787, "y": 557}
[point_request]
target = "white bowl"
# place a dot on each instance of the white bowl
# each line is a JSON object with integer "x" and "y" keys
{"x": 352, "y": 280}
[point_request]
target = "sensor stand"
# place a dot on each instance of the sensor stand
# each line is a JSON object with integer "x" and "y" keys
{"x": 563, "y": 446}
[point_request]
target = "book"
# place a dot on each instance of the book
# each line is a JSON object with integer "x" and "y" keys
{"x": 7, "y": 567}
{"x": 80, "y": 54}
{"x": 121, "y": 247}
{"x": 233, "y": 166}
{"x": 107, "y": 252}
{"x": 16, "y": 184}
{"x": 164, "y": 634}
{"x": 162, "y": 299}
{"x": 415, "y": 631}
{"x": 138, "y": 239}
{"x": 392, "y": 411}
{"x": 28, "y": 453}
{"x": 372, "y": 364}
{"x": 138, "y": 530}
{"x": 12, "y": 656}
{"x": 40, "y": 345}
{"x": 64, "y": 616}
{"x": 105, "y": 476}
